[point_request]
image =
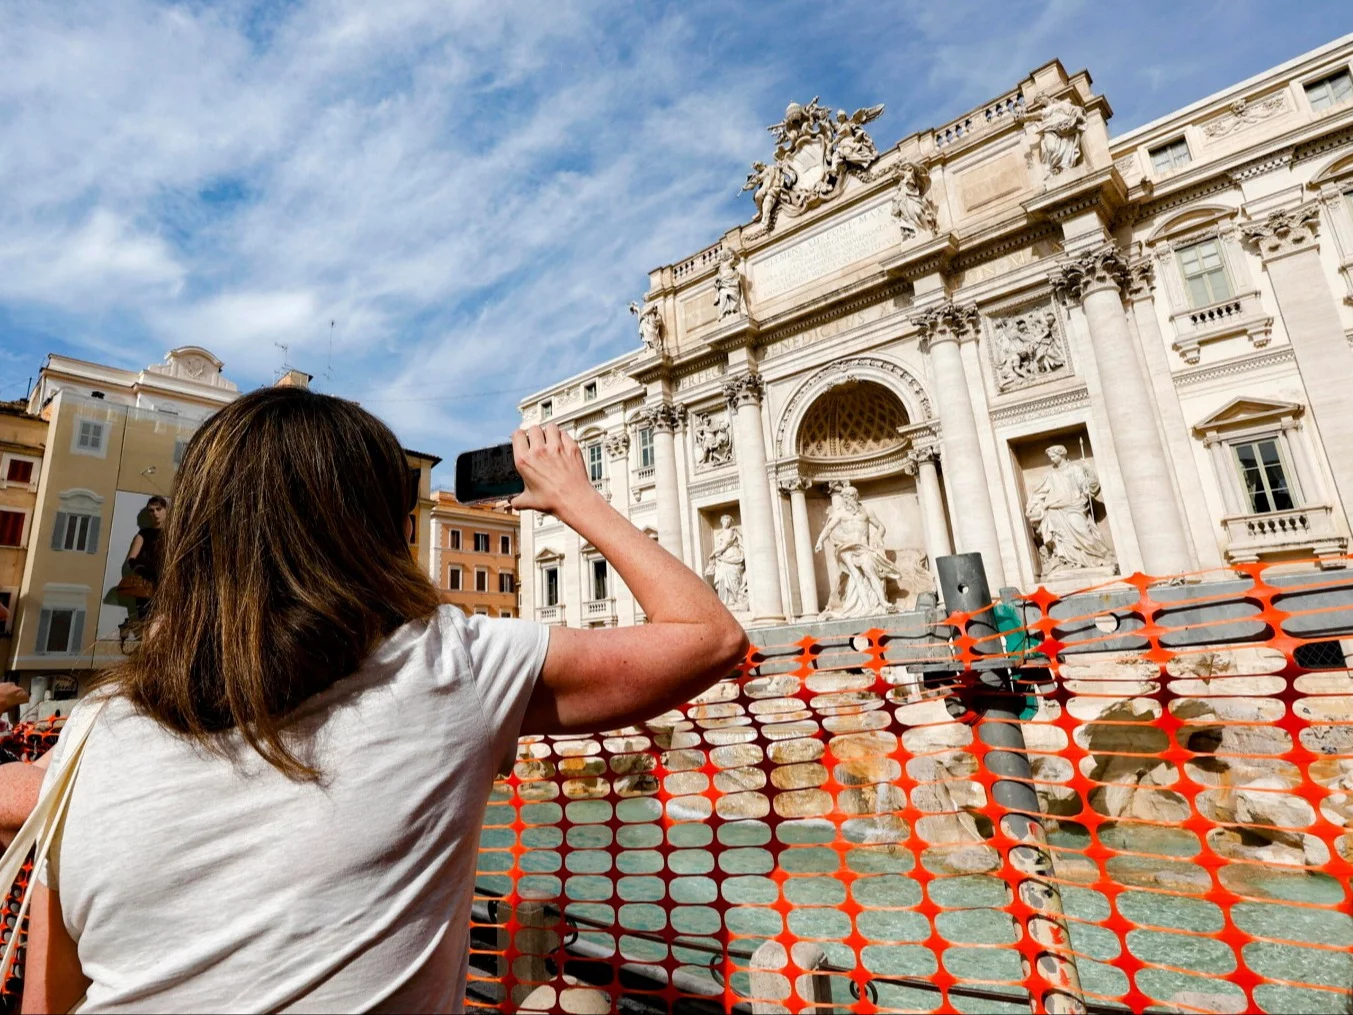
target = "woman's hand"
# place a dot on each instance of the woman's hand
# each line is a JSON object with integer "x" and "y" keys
{"x": 551, "y": 464}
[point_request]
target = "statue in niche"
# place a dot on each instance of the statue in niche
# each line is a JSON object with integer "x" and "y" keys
{"x": 728, "y": 286}
{"x": 914, "y": 211}
{"x": 1027, "y": 347}
{"x": 1060, "y": 126}
{"x": 727, "y": 565}
{"x": 650, "y": 326}
{"x": 1061, "y": 507}
{"x": 855, "y": 541}
{"x": 713, "y": 443}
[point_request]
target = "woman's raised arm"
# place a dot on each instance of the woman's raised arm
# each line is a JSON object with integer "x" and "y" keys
{"x": 608, "y": 678}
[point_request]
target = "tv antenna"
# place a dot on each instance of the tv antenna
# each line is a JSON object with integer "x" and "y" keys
{"x": 286, "y": 349}
{"x": 329, "y": 368}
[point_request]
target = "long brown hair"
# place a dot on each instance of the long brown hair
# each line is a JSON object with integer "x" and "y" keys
{"x": 286, "y": 561}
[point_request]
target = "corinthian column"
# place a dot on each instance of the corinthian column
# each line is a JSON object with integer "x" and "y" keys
{"x": 797, "y": 488}
{"x": 1096, "y": 278}
{"x": 758, "y": 525}
{"x": 664, "y": 417}
{"x": 934, "y": 527}
{"x": 942, "y": 328}
{"x": 1286, "y": 240}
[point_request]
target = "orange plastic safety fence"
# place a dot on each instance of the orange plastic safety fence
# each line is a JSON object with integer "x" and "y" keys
{"x": 821, "y": 831}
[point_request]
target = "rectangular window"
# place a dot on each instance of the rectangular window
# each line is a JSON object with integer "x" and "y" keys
{"x": 481, "y": 580}
{"x": 1204, "y": 273}
{"x": 413, "y": 529}
{"x": 455, "y": 539}
{"x": 598, "y": 579}
{"x": 505, "y": 613}
{"x": 505, "y": 545}
{"x": 546, "y": 410}
{"x": 1330, "y": 91}
{"x": 481, "y": 611}
{"x": 7, "y": 598}
{"x": 551, "y": 586}
{"x": 1168, "y": 157}
{"x": 11, "y": 528}
{"x": 1261, "y": 470}
{"x": 89, "y": 437}
{"x": 594, "y": 462}
{"x": 60, "y": 631}
{"x": 481, "y": 542}
{"x": 507, "y": 582}
{"x": 19, "y": 470}
{"x": 180, "y": 446}
{"x": 646, "y": 458}
{"x": 76, "y": 532}
{"x": 453, "y": 579}
{"x": 589, "y": 391}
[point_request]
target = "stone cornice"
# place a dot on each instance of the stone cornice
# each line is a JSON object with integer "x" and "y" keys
{"x": 1228, "y": 368}
{"x": 923, "y": 258}
{"x": 1046, "y": 405}
{"x": 1102, "y": 190}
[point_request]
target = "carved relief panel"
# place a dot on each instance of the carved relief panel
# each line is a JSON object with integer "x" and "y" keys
{"x": 1028, "y": 347}
{"x": 711, "y": 440}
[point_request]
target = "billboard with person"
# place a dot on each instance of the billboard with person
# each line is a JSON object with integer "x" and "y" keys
{"x": 135, "y": 553}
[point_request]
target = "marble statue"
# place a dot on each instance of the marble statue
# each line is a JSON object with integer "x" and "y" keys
{"x": 855, "y": 538}
{"x": 728, "y": 286}
{"x": 914, "y": 211}
{"x": 727, "y": 566}
{"x": 813, "y": 153}
{"x": 1060, "y": 125}
{"x": 650, "y": 326}
{"x": 850, "y": 143}
{"x": 1026, "y": 348}
{"x": 1061, "y": 508}
{"x": 713, "y": 442}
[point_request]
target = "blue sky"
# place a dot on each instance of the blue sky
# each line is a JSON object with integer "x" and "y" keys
{"x": 473, "y": 191}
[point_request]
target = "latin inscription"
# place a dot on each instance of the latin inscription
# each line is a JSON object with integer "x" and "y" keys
{"x": 864, "y": 235}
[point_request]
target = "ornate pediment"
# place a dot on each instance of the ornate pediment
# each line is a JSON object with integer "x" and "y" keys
{"x": 1245, "y": 412}
{"x": 814, "y": 153}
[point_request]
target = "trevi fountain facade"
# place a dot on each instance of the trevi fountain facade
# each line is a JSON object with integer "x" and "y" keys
{"x": 1081, "y": 355}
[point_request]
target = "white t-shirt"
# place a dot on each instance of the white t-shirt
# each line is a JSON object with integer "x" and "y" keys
{"x": 194, "y": 883}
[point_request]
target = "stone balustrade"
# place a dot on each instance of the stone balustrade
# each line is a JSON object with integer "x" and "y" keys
{"x": 1308, "y": 531}
{"x": 599, "y": 609}
{"x": 1008, "y": 105}
{"x": 550, "y": 614}
{"x": 1242, "y": 314}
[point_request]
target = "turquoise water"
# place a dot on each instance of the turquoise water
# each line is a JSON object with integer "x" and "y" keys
{"x": 704, "y": 882}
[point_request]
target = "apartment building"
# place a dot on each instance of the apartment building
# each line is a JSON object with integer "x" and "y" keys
{"x": 23, "y": 441}
{"x": 474, "y": 555}
{"x": 113, "y": 442}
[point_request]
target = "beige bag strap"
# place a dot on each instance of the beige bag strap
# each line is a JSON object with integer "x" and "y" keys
{"x": 44, "y": 824}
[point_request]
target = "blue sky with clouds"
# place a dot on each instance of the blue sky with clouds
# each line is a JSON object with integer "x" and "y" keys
{"x": 473, "y": 191}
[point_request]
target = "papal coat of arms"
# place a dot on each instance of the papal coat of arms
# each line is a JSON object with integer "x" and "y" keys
{"x": 813, "y": 153}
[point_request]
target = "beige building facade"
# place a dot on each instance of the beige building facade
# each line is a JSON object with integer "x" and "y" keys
{"x": 114, "y": 439}
{"x": 1081, "y": 355}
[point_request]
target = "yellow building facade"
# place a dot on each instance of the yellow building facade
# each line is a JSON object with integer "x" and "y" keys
{"x": 23, "y": 441}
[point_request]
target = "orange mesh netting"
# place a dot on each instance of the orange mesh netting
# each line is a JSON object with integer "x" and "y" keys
{"x": 821, "y": 830}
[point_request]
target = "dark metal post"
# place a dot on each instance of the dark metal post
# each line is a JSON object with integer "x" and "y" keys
{"x": 963, "y": 585}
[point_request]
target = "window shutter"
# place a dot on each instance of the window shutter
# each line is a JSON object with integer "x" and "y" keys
{"x": 92, "y": 543}
{"x": 77, "y": 632}
{"x": 44, "y": 625}
{"x": 59, "y": 530}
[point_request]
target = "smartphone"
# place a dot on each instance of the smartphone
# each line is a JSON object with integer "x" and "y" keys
{"x": 487, "y": 474}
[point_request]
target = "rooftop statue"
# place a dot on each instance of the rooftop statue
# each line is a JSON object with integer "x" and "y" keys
{"x": 650, "y": 326}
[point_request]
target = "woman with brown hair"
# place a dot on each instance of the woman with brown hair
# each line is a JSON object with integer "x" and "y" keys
{"x": 278, "y": 807}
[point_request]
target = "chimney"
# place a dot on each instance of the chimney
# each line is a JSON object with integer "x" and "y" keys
{"x": 295, "y": 379}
